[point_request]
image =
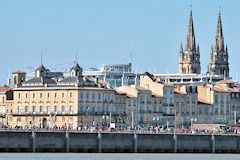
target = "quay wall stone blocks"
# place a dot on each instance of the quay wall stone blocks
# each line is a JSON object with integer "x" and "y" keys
{"x": 194, "y": 143}
{"x": 117, "y": 142}
{"x": 83, "y": 142}
{"x": 50, "y": 142}
{"x": 155, "y": 143}
{"x": 227, "y": 144}
{"x": 15, "y": 141}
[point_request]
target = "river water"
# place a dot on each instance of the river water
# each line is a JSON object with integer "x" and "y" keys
{"x": 93, "y": 156}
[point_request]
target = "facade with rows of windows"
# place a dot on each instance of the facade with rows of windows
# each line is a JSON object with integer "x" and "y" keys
{"x": 70, "y": 102}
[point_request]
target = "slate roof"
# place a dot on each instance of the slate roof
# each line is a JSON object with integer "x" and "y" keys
{"x": 42, "y": 80}
{"x": 76, "y": 67}
{"x": 70, "y": 80}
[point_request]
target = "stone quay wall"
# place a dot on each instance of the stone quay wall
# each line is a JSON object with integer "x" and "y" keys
{"x": 111, "y": 142}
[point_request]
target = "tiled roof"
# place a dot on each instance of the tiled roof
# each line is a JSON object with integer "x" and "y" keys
{"x": 17, "y": 72}
{"x": 226, "y": 81}
{"x": 156, "y": 94}
{"x": 221, "y": 89}
{"x": 41, "y": 67}
{"x": 42, "y": 80}
{"x": 76, "y": 67}
{"x": 201, "y": 101}
{"x": 70, "y": 80}
{"x": 4, "y": 88}
{"x": 149, "y": 75}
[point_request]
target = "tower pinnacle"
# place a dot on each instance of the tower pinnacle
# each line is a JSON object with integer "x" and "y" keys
{"x": 189, "y": 59}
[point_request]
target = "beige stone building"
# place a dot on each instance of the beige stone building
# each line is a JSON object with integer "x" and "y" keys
{"x": 69, "y": 102}
{"x": 5, "y": 100}
{"x": 165, "y": 93}
{"x": 142, "y": 107}
{"x": 185, "y": 102}
{"x": 219, "y": 102}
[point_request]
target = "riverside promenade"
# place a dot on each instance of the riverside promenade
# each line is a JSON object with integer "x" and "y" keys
{"x": 115, "y": 142}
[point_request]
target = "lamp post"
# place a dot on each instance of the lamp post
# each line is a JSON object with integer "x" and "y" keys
{"x": 193, "y": 120}
{"x": 27, "y": 119}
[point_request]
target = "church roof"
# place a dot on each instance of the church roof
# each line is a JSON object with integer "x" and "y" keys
{"x": 42, "y": 80}
{"x": 18, "y": 72}
{"x": 76, "y": 67}
{"x": 41, "y": 67}
{"x": 70, "y": 80}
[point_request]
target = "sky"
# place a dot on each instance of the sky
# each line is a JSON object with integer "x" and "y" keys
{"x": 107, "y": 31}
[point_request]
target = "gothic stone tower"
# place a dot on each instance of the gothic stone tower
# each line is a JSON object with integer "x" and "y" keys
{"x": 219, "y": 55}
{"x": 189, "y": 59}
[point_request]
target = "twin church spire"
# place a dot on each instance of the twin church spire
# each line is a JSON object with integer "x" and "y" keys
{"x": 219, "y": 54}
{"x": 189, "y": 58}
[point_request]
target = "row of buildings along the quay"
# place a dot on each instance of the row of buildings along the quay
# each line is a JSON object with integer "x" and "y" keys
{"x": 117, "y": 95}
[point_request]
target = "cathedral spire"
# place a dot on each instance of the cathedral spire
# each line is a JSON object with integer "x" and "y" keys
{"x": 219, "y": 34}
{"x": 181, "y": 49}
{"x": 219, "y": 55}
{"x": 191, "y": 44}
{"x": 189, "y": 59}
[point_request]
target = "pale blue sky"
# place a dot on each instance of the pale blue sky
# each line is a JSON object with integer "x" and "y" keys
{"x": 102, "y": 32}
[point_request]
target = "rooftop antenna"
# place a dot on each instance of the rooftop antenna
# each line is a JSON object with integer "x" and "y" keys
{"x": 41, "y": 58}
{"x": 219, "y": 8}
{"x": 76, "y": 60}
{"x": 131, "y": 48}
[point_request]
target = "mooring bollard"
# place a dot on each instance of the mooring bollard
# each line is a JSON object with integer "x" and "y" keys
{"x": 99, "y": 142}
{"x": 213, "y": 143}
{"x": 33, "y": 141}
{"x": 67, "y": 141}
{"x": 135, "y": 142}
{"x": 175, "y": 142}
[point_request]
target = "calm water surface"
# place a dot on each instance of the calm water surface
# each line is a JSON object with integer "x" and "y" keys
{"x": 72, "y": 156}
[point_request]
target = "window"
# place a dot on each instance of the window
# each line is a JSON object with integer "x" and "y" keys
{"x": 41, "y": 109}
{"x": 81, "y": 95}
{"x": 55, "y": 109}
{"x": 70, "y": 95}
{"x": 48, "y": 95}
{"x": 70, "y": 109}
{"x": 55, "y": 95}
{"x": 19, "y": 95}
{"x": 26, "y": 109}
{"x": 63, "y": 109}
{"x": 48, "y": 109}
{"x": 216, "y": 98}
{"x": 19, "y": 109}
{"x": 26, "y": 95}
{"x": 33, "y": 95}
{"x": 62, "y": 95}
{"x": 40, "y": 95}
{"x": 34, "y": 109}
{"x": 193, "y": 100}
{"x": 87, "y": 95}
{"x": 99, "y": 96}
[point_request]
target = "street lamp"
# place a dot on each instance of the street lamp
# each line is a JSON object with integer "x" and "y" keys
{"x": 27, "y": 119}
{"x": 193, "y": 120}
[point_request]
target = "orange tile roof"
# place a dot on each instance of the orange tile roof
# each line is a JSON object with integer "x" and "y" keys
{"x": 225, "y": 81}
{"x": 203, "y": 102}
{"x": 4, "y": 88}
{"x": 17, "y": 72}
{"x": 102, "y": 82}
{"x": 156, "y": 94}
